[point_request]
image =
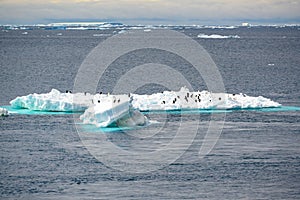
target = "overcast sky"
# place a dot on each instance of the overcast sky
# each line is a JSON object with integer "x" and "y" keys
{"x": 211, "y": 12}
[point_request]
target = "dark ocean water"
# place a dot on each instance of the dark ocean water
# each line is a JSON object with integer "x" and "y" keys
{"x": 256, "y": 156}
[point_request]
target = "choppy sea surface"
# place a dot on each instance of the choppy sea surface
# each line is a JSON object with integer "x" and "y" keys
{"x": 255, "y": 157}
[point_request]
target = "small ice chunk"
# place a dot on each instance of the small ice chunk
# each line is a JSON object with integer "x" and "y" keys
{"x": 3, "y": 112}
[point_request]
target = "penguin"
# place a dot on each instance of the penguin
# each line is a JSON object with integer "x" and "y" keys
{"x": 100, "y": 92}
{"x": 191, "y": 95}
{"x": 186, "y": 99}
{"x": 174, "y": 101}
{"x": 187, "y": 94}
{"x": 67, "y": 91}
{"x": 163, "y": 102}
{"x": 84, "y": 93}
{"x": 119, "y": 100}
{"x": 220, "y": 98}
{"x": 98, "y": 101}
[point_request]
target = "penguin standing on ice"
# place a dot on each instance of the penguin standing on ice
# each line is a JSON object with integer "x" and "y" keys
{"x": 174, "y": 101}
{"x": 186, "y": 99}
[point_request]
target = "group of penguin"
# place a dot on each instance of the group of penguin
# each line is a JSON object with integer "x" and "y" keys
{"x": 70, "y": 92}
{"x": 186, "y": 98}
{"x": 197, "y": 98}
{"x": 114, "y": 99}
{"x": 192, "y": 97}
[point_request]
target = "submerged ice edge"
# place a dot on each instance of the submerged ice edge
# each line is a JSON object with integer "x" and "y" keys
{"x": 23, "y": 111}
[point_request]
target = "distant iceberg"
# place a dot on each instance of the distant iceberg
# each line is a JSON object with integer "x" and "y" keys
{"x": 221, "y": 27}
{"x": 82, "y": 25}
{"x": 215, "y": 36}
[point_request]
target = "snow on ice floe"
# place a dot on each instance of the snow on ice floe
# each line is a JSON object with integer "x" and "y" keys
{"x": 3, "y": 112}
{"x": 184, "y": 99}
{"x": 215, "y": 36}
